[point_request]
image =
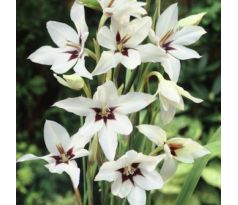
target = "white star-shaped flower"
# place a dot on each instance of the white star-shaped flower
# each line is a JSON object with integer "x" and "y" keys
{"x": 123, "y": 42}
{"x": 132, "y": 174}
{"x": 173, "y": 39}
{"x": 176, "y": 149}
{"x": 63, "y": 151}
{"x": 106, "y": 114}
{"x": 70, "y": 52}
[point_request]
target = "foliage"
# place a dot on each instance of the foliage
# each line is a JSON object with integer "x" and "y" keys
{"x": 37, "y": 90}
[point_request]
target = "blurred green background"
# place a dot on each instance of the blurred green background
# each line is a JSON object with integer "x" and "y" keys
{"x": 37, "y": 90}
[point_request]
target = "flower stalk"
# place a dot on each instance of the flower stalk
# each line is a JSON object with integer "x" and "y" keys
{"x": 78, "y": 196}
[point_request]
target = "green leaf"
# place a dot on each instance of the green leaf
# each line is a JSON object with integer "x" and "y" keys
{"x": 212, "y": 175}
{"x": 37, "y": 85}
{"x": 195, "y": 129}
{"x": 196, "y": 172}
{"x": 92, "y": 4}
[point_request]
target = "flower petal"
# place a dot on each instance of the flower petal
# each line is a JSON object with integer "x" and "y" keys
{"x": 133, "y": 102}
{"x": 107, "y": 172}
{"x": 80, "y": 105}
{"x": 121, "y": 124}
{"x": 137, "y": 30}
{"x": 190, "y": 151}
{"x": 45, "y": 55}
{"x": 27, "y": 157}
{"x": 183, "y": 53}
{"x": 167, "y": 20}
{"x": 171, "y": 66}
{"x": 71, "y": 169}
{"x": 79, "y": 139}
{"x": 169, "y": 91}
{"x": 149, "y": 163}
{"x": 121, "y": 189}
{"x": 169, "y": 168}
{"x": 154, "y": 133}
{"x": 149, "y": 180}
{"x": 78, "y": 152}
{"x": 107, "y": 61}
{"x": 137, "y": 196}
{"x": 80, "y": 69}
{"x": 188, "y": 35}
{"x": 106, "y": 38}
{"x": 77, "y": 14}
{"x": 63, "y": 63}
{"x": 188, "y": 95}
{"x": 61, "y": 33}
{"x": 108, "y": 142}
{"x": 106, "y": 94}
{"x": 191, "y": 20}
{"x": 132, "y": 60}
{"x": 166, "y": 116}
{"x": 55, "y": 134}
{"x": 150, "y": 53}
{"x": 90, "y": 127}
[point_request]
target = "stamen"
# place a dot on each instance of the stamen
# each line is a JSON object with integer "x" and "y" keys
{"x": 63, "y": 157}
{"x": 110, "y": 4}
{"x": 74, "y": 45}
{"x": 166, "y": 37}
{"x": 60, "y": 149}
{"x": 130, "y": 171}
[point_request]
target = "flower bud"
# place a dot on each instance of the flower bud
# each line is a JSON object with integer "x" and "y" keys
{"x": 73, "y": 81}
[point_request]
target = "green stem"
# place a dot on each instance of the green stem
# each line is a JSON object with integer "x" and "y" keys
{"x": 156, "y": 14}
{"x": 84, "y": 181}
{"x": 90, "y": 189}
{"x": 112, "y": 200}
{"x": 143, "y": 76}
{"x": 155, "y": 151}
{"x": 91, "y": 54}
{"x": 131, "y": 81}
{"x": 102, "y": 21}
{"x": 158, "y": 7}
{"x": 116, "y": 74}
{"x": 148, "y": 2}
{"x": 87, "y": 90}
{"x": 78, "y": 196}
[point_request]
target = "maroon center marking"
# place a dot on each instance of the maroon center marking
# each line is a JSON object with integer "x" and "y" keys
{"x": 120, "y": 41}
{"x": 73, "y": 54}
{"x": 174, "y": 147}
{"x": 167, "y": 46}
{"x": 129, "y": 174}
{"x": 64, "y": 157}
{"x": 101, "y": 114}
{"x": 118, "y": 37}
{"x": 125, "y": 52}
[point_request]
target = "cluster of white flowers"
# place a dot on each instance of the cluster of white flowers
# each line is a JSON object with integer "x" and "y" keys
{"x": 106, "y": 113}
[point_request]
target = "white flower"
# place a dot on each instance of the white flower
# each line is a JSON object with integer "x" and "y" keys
{"x": 63, "y": 151}
{"x": 173, "y": 41}
{"x": 177, "y": 149}
{"x": 122, "y": 8}
{"x": 70, "y": 51}
{"x": 73, "y": 81}
{"x": 123, "y": 43}
{"x": 131, "y": 175}
{"x": 170, "y": 96}
{"x": 191, "y": 20}
{"x": 107, "y": 113}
